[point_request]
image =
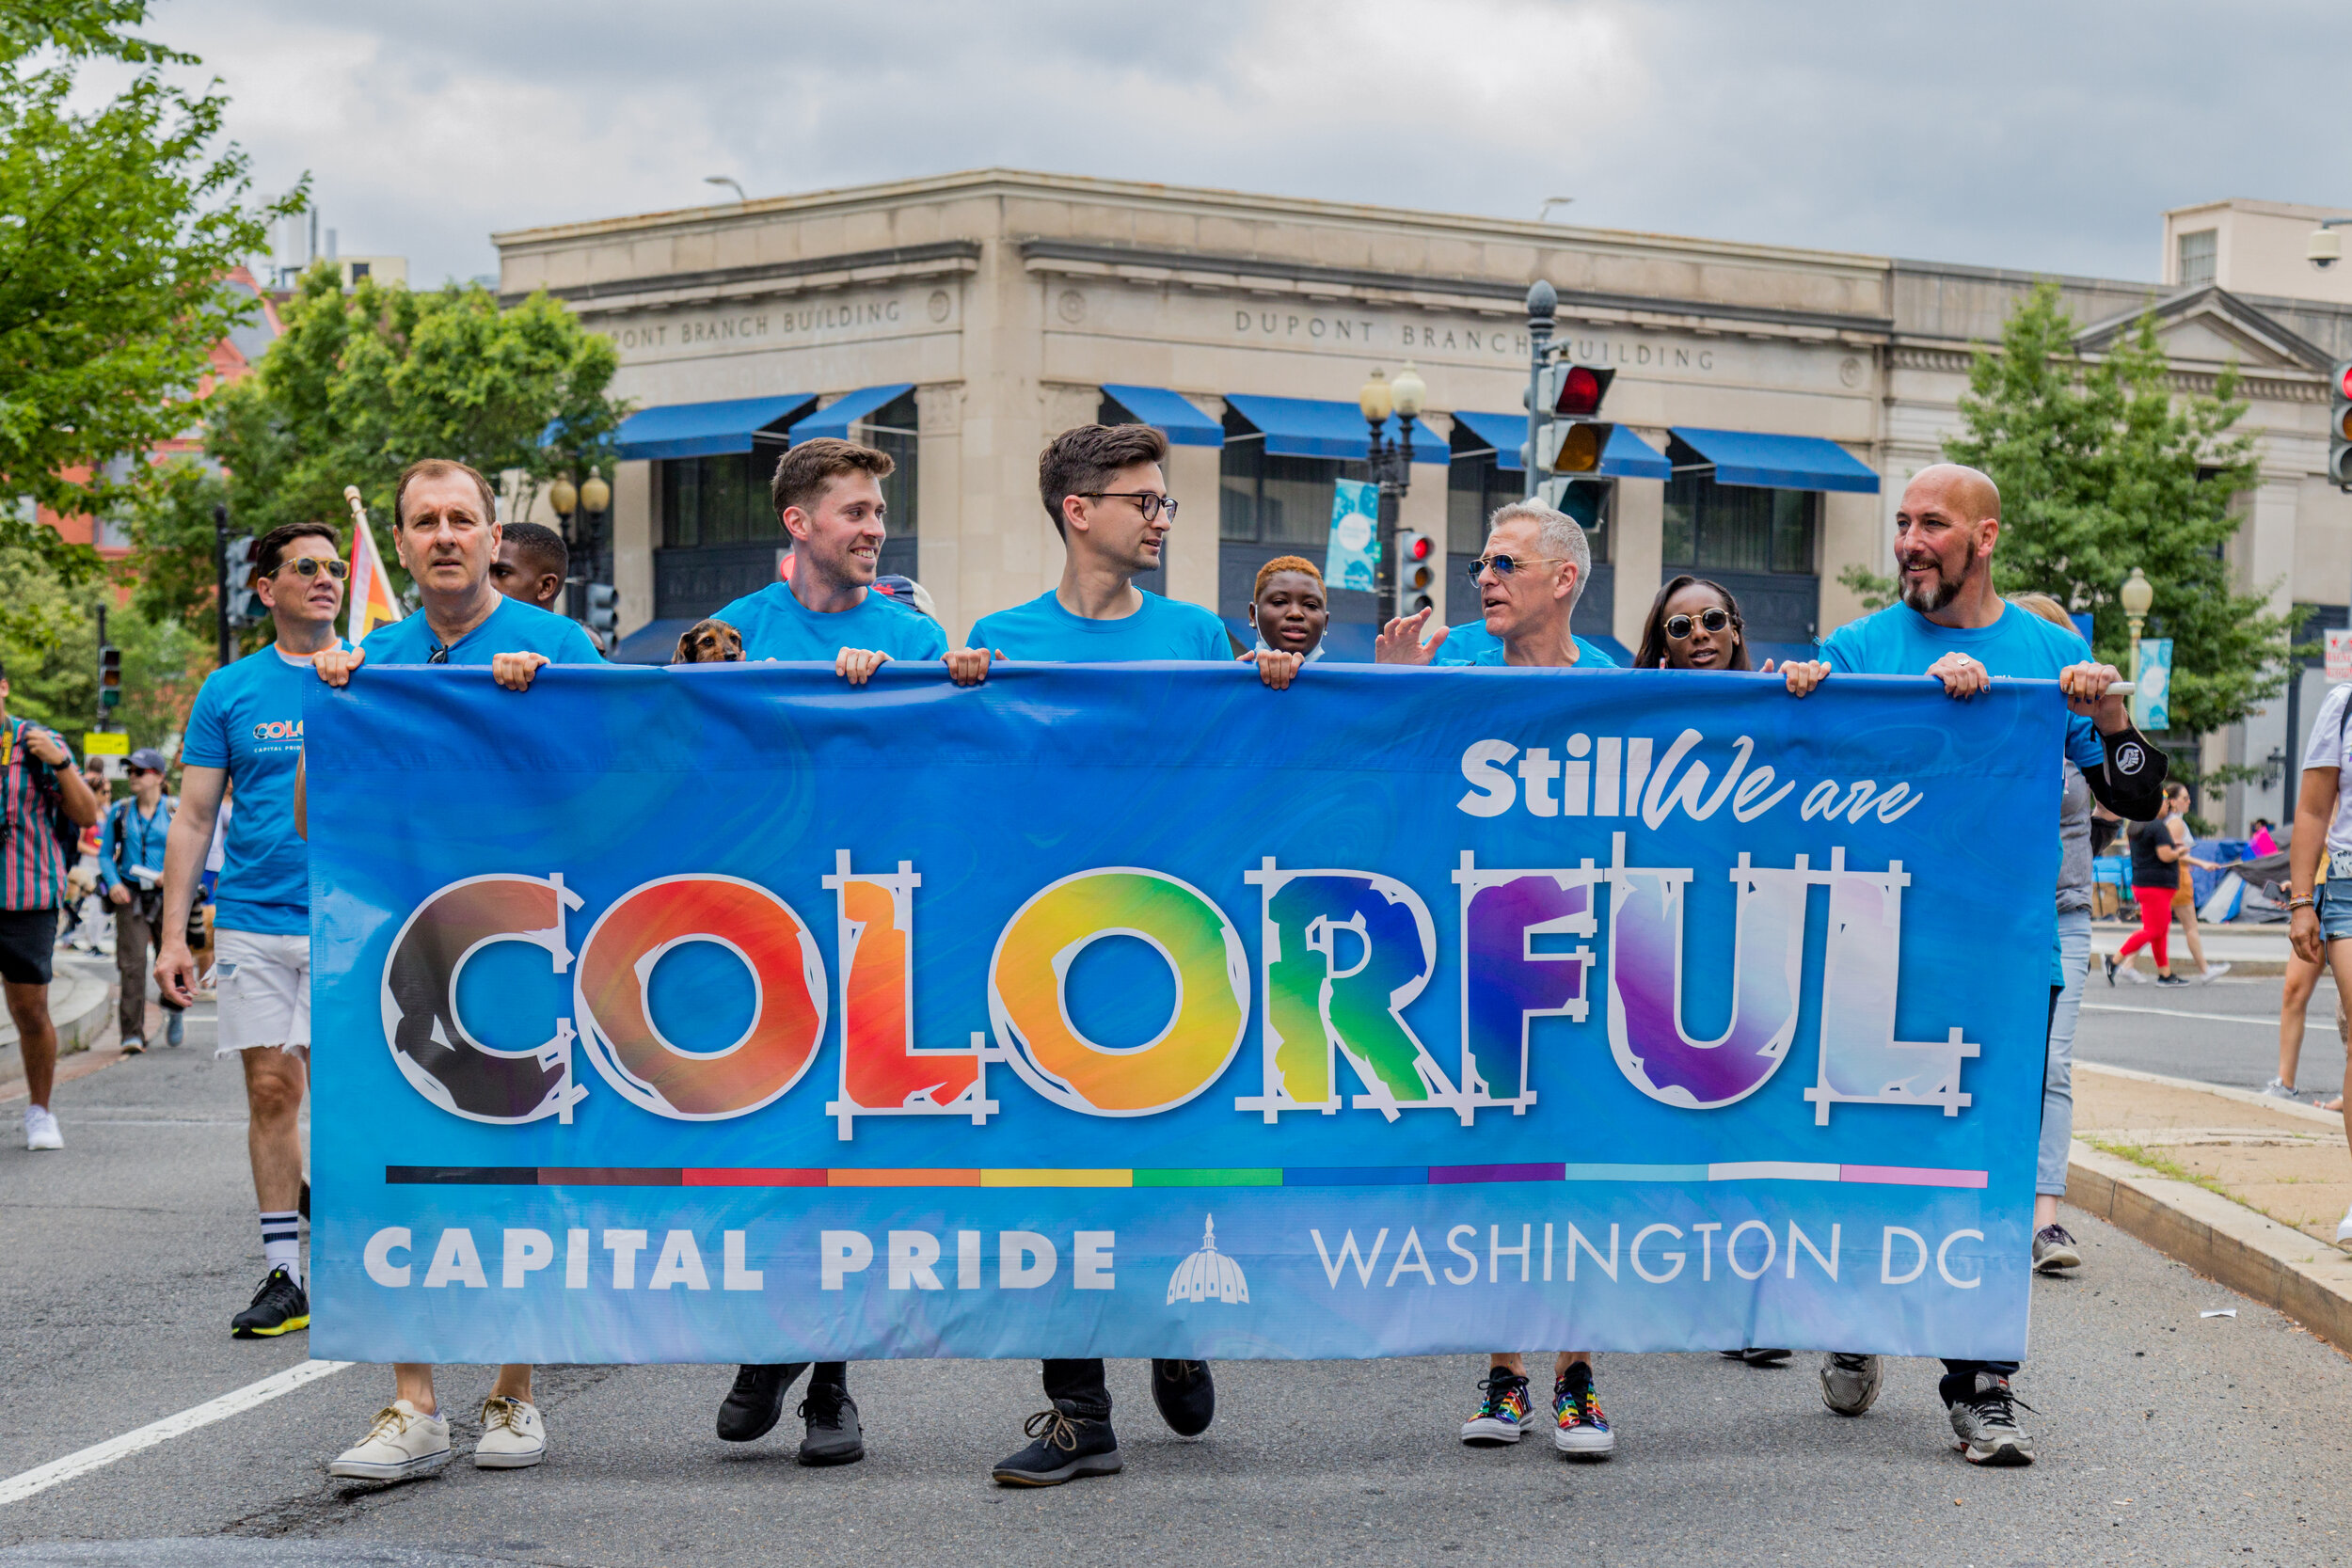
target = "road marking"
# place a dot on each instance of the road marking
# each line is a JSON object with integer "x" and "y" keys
{"x": 2176, "y": 1012}
{"x": 19, "y": 1487}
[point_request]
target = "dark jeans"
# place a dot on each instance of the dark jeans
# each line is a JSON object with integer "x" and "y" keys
{"x": 134, "y": 934}
{"x": 1076, "y": 1389}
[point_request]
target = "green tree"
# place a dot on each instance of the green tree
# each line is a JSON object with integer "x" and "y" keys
{"x": 117, "y": 220}
{"x": 362, "y": 384}
{"x": 2103, "y": 466}
{"x": 53, "y": 671}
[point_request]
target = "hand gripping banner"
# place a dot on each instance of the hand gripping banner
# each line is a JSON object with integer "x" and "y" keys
{"x": 731, "y": 1013}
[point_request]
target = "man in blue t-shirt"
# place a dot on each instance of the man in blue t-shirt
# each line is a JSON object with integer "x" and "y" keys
{"x": 246, "y": 729}
{"x": 1953, "y": 626}
{"x": 1529, "y": 579}
{"x": 1106, "y": 494}
{"x": 828, "y": 496}
{"x": 446, "y": 530}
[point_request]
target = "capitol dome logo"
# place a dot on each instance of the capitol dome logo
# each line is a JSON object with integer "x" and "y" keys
{"x": 1207, "y": 1275}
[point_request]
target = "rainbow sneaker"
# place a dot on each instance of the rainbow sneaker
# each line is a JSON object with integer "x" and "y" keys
{"x": 1502, "y": 1415}
{"x": 1579, "y": 1428}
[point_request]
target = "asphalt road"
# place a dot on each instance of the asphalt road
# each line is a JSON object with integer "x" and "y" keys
{"x": 2223, "y": 1033}
{"x": 2165, "y": 1436}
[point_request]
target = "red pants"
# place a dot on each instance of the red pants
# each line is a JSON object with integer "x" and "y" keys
{"x": 2155, "y": 925}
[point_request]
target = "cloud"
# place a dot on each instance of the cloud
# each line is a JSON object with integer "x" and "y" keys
{"x": 2043, "y": 136}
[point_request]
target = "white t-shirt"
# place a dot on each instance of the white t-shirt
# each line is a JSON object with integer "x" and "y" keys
{"x": 2331, "y": 747}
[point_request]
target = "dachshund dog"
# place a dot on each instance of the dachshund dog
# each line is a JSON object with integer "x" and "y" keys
{"x": 709, "y": 642}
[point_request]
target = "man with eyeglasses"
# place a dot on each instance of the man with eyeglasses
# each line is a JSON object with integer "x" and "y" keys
{"x": 1104, "y": 489}
{"x": 246, "y": 728}
{"x": 131, "y": 870}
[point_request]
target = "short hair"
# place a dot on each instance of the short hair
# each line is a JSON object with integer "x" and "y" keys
{"x": 1561, "y": 538}
{"x": 441, "y": 467}
{"x": 541, "y": 546}
{"x": 1284, "y": 564}
{"x": 1081, "y": 460}
{"x": 270, "y": 553}
{"x": 804, "y": 470}
{"x": 2046, "y": 607}
{"x": 1654, "y": 630}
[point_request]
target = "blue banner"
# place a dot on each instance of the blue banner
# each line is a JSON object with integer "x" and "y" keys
{"x": 730, "y": 1013}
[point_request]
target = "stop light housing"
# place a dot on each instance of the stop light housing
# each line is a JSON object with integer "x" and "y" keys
{"x": 1416, "y": 572}
{"x": 109, "y": 677}
{"x": 2340, "y": 425}
{"x": 1571, "y": 437}
{"x": 244, "y": 604}
{"x": 604, "y": 608}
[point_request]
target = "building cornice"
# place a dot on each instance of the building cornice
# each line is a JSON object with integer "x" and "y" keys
{"x": 810, "y": 275}
{"x": 1255, "y": 275}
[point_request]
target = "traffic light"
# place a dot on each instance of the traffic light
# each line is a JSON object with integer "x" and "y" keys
{"x": 2340, "y": 425}
{"x": 604, "y": 608}
{"x": 1416, "y": 571}
{"x": 244, "y": 604}
{"x": 1571, "y": 437}
{"x": 109, "y": 677}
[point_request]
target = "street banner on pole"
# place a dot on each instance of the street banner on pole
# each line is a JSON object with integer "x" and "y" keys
{"x": 2153, "y": 699}
{"x": 1352, "y": 559}
{"x": 2339, "y": 658}
{"x": 729, "y": 1014}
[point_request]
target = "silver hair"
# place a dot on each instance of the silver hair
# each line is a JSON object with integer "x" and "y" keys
{"x": 1561, "y": 538}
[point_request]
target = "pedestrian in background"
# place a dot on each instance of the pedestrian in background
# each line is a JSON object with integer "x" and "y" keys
{"x": 2319, "y": 913}
{"x": 43, "y": 805}
{"x": 2185, "y": 889}
{"x": 2156, "y": 883}
{"x": 131, "y": 868}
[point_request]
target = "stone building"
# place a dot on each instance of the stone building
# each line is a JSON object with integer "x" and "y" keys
{"x": 1772, "y": 401}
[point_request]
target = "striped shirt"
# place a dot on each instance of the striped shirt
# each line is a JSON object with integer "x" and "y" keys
{"x": 32, "y": 864}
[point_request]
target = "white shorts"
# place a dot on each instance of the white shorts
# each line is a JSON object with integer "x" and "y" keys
{"x": 264, "y": 991}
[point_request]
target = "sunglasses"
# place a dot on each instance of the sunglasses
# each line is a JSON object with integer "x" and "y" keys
{"x": 1505, "y": 564}
{"x": 1680, "y": 627}
{"x": 311, "y": 566}
{"x": 1148, "y": 503}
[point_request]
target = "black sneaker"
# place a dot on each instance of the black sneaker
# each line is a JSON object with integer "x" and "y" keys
{"x": 2172, "y": 980}
{"x": 278, "y": 1307}
{"x": 2108, "y": 959}
{"x": 1066, "y": 1446}
{"x": 833, "y": 1436}
{"x": 1757, "y": 1356}
{"x": 1187, "y": 1395}
{"x": 753, "y": 1405}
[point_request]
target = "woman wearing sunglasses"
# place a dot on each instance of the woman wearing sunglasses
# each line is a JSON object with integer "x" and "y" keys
{"x": 1694, "y": 624}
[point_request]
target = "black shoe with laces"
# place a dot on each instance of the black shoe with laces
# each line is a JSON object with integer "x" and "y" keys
{"x": 753, "y": 1405}
{"x": 1064, "y": 1448}
{"x": 1984, "y": 1421}
{"x": 834, "y": 1435}
{"x": 280, "y": 1307}
{"x": 2108, "y": 959}
{"x": 1186, "y": 1394}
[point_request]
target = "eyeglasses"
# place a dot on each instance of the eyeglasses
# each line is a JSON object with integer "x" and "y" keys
{"x": 1678, "y": 626}
{"x": 312, "y": 565}
{"x": 1150, "y": 504}
{"x": 1506, "y": 565}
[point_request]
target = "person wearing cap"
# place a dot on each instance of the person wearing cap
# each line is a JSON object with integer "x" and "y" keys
{"x": 131, "y": 871}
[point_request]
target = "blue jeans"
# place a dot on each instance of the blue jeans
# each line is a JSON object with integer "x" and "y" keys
{"x": 2057, "y": 1067}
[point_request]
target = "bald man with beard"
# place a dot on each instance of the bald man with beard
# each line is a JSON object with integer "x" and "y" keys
{"x": 1951, "y": 624}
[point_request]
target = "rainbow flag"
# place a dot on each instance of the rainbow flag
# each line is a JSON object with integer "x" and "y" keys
{"x": 372, "y": 601}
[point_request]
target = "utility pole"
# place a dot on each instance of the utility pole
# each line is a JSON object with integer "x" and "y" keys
{"x": 102, "y": 669}
{"x": 220, "y": 579}
{"x": 1543, "y": 304}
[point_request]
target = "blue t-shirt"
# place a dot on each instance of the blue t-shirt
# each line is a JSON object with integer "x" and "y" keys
{"x": 775, "y": 624}
{"x": 1899, "y": 640}
{"x": 513, "y": 627}
{"x": 1043, "y": 632}
{"x": 1473, "y": 643}
{"x": 247, "y": 719}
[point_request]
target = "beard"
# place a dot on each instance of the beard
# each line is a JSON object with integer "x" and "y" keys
{"x": 1929, "y": 596}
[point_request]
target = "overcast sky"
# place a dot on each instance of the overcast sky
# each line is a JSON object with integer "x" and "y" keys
{"x": 2047, "y": 136}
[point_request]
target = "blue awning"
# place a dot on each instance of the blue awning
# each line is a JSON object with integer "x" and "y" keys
{"x": 706, "y": 429}
{"x": 1774, "y": 462}
{"x": 1627, "y": 456}
{"x": 836, "y": 418}
{"x": 1309, "y": 427}
{"x": 1172, "y": 416}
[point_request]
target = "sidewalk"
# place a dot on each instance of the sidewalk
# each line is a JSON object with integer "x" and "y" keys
{"x": 81, "y": 1005}
{"x": 2243, "y": 1188}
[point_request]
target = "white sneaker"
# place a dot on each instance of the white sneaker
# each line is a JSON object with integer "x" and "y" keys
{"x": 512, "y": 1436}
{"x": 400, "y": 1446}
{"x": 2344, "y": 1228}
{"x": 40, "y": 1128}
{"x": 2211, "y": 973}
{"x": 2278, "y": 1089}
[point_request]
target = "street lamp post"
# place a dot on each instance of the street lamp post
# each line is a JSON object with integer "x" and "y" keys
{"x": 1392, "y": 463}
{"x": 1543, "y": 306}
{"x": 582, "y": 509}
{"x": 2137, "y": 595}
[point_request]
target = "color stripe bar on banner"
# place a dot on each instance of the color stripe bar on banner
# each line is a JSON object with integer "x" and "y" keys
{"x": 1299, "y": 1176}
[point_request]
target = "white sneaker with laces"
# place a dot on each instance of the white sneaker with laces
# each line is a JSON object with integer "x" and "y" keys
{"x": 512, "y": 1436}
{"x": 2278, "y": 1089}
{"x": 2344, "y": 1228}
{"x": 42, "y": 1130}
{"x": 400, "y": 1446}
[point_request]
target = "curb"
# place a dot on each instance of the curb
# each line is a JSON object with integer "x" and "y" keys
{"x": 76, "y": 1034}
{"x": 2332, "y": 1120}
{"x": 2254, "y": 1255}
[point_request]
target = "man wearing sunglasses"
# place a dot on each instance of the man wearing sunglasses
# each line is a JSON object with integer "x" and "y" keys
{"x": 1535, "y": 566}
{"x": 246, "y": 728}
